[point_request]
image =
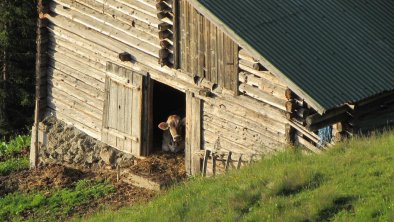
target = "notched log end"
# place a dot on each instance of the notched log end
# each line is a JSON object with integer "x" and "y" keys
{"x": 126, "y": 57}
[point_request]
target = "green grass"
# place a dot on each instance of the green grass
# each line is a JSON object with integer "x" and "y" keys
{"x": 51, "y": 205}
{"x": 13, "y": 155}
{"x": 14, "y": 147}
{"x": 352, "y": 182}
{"x": 13, "y": 165}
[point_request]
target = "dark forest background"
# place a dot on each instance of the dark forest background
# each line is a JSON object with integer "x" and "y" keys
{"x": 17, "y": 61}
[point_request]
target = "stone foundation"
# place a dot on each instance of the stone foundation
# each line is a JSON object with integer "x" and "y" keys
{"x": 64, "y": 144}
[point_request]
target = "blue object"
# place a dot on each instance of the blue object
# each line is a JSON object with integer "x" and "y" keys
{"x": 325, "y": 135}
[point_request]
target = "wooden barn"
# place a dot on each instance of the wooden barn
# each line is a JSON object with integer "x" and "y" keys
{"x": 251, "y": 77}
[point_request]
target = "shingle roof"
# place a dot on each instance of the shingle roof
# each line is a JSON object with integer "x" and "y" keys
{"x": 333, "y": 52}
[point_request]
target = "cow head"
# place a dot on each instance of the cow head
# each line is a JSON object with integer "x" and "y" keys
{"x": 173, "y": 135}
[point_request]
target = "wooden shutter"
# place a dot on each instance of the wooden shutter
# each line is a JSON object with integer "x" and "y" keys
{"x": 122, "y": 118}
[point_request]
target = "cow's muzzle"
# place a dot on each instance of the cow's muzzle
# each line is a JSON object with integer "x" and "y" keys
{"x": 177, "y": 138}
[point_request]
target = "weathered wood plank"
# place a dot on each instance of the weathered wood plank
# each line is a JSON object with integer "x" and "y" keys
{"x": 196, "y": 133}
{"x": 276, "y": 90}
{"x": 137, "y": 114}
{"x": 262, "y": 96}
{"x": 98, "y": 26}
{"x": 73, "y": 122}
{"x": 213, "y": 56}
{"x": 201, "y": 45}
{"x": 188, "y": 133}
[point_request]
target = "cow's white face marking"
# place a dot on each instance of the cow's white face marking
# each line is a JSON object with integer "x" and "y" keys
{"x": 173, "y": 135}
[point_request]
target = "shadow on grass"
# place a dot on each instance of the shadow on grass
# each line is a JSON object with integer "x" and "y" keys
{"x": 298, "y": 182}
{"x": 338, "y": 204}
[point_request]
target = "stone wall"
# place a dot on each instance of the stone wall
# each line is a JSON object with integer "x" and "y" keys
{"x": 64, "y": 144}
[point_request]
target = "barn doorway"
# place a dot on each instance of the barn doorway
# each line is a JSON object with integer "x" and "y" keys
{"x": 166, "y": 101}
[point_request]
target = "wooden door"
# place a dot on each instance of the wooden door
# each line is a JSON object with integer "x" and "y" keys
{"x": 123, "y": 124}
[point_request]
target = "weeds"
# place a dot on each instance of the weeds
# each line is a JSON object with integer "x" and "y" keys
{"x": 14, "y": 155}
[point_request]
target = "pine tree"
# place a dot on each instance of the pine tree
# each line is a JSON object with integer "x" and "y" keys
{"x": 17, "y": 45}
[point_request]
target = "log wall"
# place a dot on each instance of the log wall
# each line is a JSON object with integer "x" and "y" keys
{"x": 256, "y": 82}
{"x": 86, "y": 34}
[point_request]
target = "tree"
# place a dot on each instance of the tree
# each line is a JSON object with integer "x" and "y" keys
{"x": 17, "y": 45}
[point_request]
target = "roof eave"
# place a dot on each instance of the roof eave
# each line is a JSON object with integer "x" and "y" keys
{"x": 213, "y": 18}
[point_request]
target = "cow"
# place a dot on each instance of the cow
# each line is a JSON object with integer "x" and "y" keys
{"x": 174, "y": 134}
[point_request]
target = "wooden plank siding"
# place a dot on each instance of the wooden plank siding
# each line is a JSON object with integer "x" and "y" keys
{"x": 206, "y": 51}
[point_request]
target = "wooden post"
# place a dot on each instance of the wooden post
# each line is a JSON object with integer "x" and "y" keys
{"x": 205, "y": 162}
{"x": 239, "y": 162}
{"x": 193, "y": 134}
{"x": 34, "y": 149}
{"x": 214, "y": 164}
{"x": 228, "y": 161}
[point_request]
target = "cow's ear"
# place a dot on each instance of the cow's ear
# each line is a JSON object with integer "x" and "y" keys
{"x": 163, "y": 126}
{"x": 183, "y": 122}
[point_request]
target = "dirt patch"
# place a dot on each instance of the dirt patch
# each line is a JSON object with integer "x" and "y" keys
{"x": 163, "y": 168}
{"x": 56, "y": 176}
{"x": 53, "y": 176}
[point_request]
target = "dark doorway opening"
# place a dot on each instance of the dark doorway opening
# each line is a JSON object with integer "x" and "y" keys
{"x": 166, "y": 101}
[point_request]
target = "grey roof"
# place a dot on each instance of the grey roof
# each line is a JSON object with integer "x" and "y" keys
{"x": 331, "y": 51}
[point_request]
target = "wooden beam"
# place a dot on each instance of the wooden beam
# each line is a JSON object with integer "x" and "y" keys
{"x": 317, "y": 121}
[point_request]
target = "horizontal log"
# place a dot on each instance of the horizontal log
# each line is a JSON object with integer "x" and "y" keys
{"x": 263, "y": 74}
{"x": 311, "y": 135}
{"x": 80, "y": 61}
{"x": 134, "y": 8}
{"x": 111, "y": 20}
{"x": 81, "y": 95}
{"x": 57, "y": 94}
{"x": 76, "y": 83}
{"x": 242, "y": 132}
{"x": 226, "y": 144}
{"x": 244, "y": 55}
{"x": 106, "y": 28}
{"x": 121, "y": 12}
{"x": 75, "y": 64}
{"x": 306, "y": 144}
{"x": 276, "y": 90}
{"x": 87, "y": 120}
{"x": 65, "y": 117}
{"x": 92, "y": 80}
{"x": 241, "y": 117}
{"x": 262, "y": 96}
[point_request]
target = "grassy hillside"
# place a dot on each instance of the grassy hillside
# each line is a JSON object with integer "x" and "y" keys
{"x": 352, "y": 182}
